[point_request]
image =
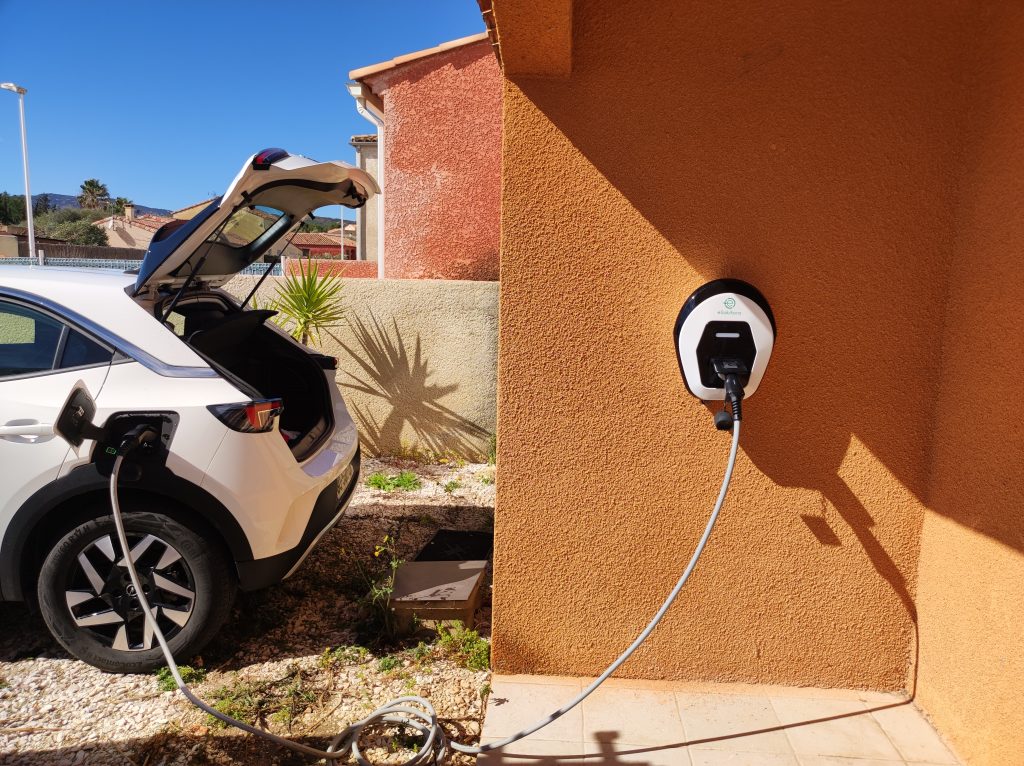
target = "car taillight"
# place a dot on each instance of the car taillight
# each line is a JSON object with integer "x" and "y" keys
{"x": 253, "y": 417}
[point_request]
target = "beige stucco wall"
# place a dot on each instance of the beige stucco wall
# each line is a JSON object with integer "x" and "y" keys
{"x": 417, "y": 362}
{"x": 123, "y": 234}
{"x": 366, "y": 216}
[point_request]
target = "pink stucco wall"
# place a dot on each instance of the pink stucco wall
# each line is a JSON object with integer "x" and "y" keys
{"x": 442, "y": 117}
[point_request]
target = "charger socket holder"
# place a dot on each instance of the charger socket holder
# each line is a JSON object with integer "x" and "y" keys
{"x": 728, "y": 321}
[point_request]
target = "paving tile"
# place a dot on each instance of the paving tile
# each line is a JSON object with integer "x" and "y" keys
{"x": 713, "y": 721}
{"x": 854, "y": 734}
{"x": 732, "y": 758}
{"x": 913, "y": 736}
{"x": 611, "y": 753}
{"x": 511, "y": 707}
{"x": 534, "y": 752}
{"x": 543, "y": 680}
{"x": 631, "y": 715}
{"x": 834, "y": 760}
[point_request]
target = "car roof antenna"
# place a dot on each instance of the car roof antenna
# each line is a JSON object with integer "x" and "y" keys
{"x": 273, "y": 260}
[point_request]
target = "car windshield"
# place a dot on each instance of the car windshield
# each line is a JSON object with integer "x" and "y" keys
{"x": 246, "y": 225}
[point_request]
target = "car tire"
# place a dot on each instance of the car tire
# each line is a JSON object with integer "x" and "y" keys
{"x": 87, "y": 600}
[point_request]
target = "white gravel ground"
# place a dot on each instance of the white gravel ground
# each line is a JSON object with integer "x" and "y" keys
{"x": 55, "y": 710}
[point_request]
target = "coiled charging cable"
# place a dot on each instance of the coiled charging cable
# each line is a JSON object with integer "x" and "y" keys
{"x": 412, "y": 711}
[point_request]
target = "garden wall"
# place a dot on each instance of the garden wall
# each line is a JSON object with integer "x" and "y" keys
{"x": 417, "y": 362}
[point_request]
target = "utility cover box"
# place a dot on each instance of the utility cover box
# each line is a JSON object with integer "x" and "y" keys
{"x": 437, "y": 591}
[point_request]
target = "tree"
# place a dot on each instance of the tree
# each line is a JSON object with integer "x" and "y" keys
{"x": 80, "y": 233}
{"x": 117, "y": 206}
{"x": 12, "y": 208}
{"x": 94, "y": 194}
{"x": 41, "y": 205}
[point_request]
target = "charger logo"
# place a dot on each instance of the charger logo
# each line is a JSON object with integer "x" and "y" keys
{"x": 729, "y": 303}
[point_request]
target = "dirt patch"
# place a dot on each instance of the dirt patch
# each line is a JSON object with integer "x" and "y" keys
{"x": 303, "y": 658}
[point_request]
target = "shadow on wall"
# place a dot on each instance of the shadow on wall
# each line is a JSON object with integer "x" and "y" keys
{"x": 401, "y": 380}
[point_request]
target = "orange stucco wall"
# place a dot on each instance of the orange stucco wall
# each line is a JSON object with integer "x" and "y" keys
{"x": 732, "y": 141}
{"x": 971, "y": 580}
{"x": 442, "y": 117}
{"x": 863, "y": 167}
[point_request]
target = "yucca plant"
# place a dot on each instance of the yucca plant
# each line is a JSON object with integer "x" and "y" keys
{"x": 309, "y": 302}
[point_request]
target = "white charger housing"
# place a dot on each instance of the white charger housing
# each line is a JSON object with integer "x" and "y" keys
{"x": 723, "y": 319}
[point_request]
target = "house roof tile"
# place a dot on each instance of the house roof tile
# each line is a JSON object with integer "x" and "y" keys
{"x": 366, "y": 71}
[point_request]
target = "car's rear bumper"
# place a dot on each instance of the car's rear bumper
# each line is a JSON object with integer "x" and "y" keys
{"x": 327, "y": 510}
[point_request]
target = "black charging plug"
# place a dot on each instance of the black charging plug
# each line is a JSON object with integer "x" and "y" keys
{"x": 735, "y": 373}
{"x": 138, "y": 436}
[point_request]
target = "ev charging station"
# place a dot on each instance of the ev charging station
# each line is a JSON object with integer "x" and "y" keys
{"x": 724, "y": 337}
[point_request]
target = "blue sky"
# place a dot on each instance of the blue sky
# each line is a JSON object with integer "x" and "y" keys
{"x": 163, "y": 101}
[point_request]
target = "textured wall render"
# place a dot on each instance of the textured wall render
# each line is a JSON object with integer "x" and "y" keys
{"x": 416, "y": 361}
{"x": 971, "y": 591}
{"x": 442, "y": 118}
{"x": 811, "y": 150}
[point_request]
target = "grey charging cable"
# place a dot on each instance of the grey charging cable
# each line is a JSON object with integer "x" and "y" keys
{"x": 412, "y": 711}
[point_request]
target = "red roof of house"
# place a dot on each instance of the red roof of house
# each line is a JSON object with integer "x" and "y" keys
{"x": 148, "y": 221}
{"x": 314, "y": 239}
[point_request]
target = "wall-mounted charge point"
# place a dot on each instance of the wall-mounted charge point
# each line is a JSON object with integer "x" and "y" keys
{"x": 725, "y": 327}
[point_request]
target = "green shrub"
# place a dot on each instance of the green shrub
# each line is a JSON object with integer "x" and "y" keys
{"x": 464, "y": 646}
{"x": 189, "y": 674}
{"x": 309, "y": 302}
{"x": 406, "y": 481}
{"x": 344, "y": 655}
{"x": 450, "y": 486}
{"x": 388, "y": 664}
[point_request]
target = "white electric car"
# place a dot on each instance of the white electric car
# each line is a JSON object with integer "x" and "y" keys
{"x": 257, "y": 457}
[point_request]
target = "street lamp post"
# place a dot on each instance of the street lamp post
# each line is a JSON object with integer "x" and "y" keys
{"x": 32, "y": 252}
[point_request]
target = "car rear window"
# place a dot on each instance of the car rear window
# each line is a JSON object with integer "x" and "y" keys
{"x": 80, "y": 351}
{"x": 246, "y": 225}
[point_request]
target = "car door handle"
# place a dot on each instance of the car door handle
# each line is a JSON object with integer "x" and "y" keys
{"x": 27, "y": 429}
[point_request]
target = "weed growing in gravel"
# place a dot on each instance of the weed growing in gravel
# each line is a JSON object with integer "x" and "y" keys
{"x": 487, "y": 477}
{"x": 388, "y": 664}
{"x": 485, "y": 691}
{"x": 3, "y": 683}
{"x": 421, "y": 652}
{"x": 404, "y": 481}
{"x": 344, "y": 655}
{"x": 492, "y": 450}
{"x": 464, "y": 646}
{"x": 189, "y": 675}
{"x": 254, "y": 702}
{"x": 450, "y": 486}
{"x": 380, "y": 580}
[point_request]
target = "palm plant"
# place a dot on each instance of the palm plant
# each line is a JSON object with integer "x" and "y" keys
{"x": 94, "y": 194}
{"x": 117, "y": 206}
{"x": 309, "y": 301}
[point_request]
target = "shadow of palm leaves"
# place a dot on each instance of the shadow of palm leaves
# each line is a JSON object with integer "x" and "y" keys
{"x": 388, "y": 372}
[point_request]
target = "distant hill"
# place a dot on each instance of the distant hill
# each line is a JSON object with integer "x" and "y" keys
{"x": 61, "y": 201}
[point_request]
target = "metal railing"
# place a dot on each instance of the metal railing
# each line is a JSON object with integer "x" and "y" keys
{"x": 117, "y": 264}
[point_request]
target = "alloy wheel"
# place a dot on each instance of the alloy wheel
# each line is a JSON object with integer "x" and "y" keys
{"x": 103, "y": 602}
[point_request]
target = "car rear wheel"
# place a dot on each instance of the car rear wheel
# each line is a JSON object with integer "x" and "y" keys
{"x": 90, "y": 605}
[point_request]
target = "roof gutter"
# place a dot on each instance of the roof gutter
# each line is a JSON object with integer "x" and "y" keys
{"x": 371, "y": 112}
